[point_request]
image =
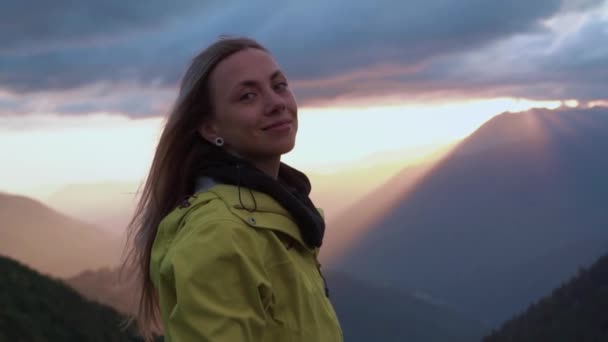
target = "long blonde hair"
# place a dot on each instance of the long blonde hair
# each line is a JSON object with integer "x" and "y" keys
{"x": 171, "y": 176}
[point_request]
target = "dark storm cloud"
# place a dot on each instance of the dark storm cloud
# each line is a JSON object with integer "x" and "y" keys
{"x": 33, "y": 25}
{"x": 64, "y": 45}
{"x": 346, "y": 36}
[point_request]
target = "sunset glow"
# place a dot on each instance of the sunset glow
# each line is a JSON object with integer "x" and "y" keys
{"x": 102, "y": 147}
{"x": 330, "y": 137}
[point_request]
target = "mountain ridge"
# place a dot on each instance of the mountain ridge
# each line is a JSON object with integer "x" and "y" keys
{"x": 483, "y": 211}
{"x": 52, "y": 242}
{"x": 38, "y": 308}
{"x": 574, "y": 311}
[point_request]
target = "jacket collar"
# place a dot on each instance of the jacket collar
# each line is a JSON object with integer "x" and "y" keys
{"x": 291, "y": 189}
{"x": 268, "y": 213}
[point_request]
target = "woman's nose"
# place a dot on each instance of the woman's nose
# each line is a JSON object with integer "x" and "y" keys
{"x": 275, "y": 103}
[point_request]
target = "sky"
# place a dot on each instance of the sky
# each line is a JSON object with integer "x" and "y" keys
{"x": 85, "y": 86}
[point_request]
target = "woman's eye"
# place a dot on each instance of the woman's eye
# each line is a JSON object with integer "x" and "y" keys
{"x": 247, "y": 96}
{"x": 280, "y": 86}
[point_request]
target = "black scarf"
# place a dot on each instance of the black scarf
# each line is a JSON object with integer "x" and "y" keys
{"x": 291, "y": 189}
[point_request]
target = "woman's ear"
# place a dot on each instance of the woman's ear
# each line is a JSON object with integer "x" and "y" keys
{"x": 208, "y": 131}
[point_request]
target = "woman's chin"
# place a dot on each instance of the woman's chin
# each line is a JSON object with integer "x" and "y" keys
{"x": 279, "y": 150}
{"x": 282, "y": 146}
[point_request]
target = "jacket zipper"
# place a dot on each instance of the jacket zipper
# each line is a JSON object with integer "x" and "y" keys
{"x": 322, "y": 277}
{"x": 327, "y": 303}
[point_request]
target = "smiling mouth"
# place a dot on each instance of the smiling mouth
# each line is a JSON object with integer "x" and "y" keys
{"x": 277, "y": 124}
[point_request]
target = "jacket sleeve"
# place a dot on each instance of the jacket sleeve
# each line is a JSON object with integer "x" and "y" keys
{"x": 220, "y": 287}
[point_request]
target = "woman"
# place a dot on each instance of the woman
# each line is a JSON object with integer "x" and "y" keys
{"x": 225, "y": 235}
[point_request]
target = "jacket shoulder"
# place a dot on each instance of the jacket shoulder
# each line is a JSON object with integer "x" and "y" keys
{"x": 197, "y": 211}
{"x": 196, "y": 214}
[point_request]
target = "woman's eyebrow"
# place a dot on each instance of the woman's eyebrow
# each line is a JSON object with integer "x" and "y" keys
{"x": 254, "y": 83}
{"x": 276, "y": 74}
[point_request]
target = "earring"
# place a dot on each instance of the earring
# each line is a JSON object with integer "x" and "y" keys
{"x": 219, "y": 142}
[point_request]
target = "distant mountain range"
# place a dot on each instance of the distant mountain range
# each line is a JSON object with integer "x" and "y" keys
{"x": 505, "y": 217}
{"x": 576, "y": 311}
{"x": 371, "y": 313}
{"x": 108, "y": 205}
{"x": 52, "y": 242}
{"x": 37, "y": 308}
{"x": 107, "y": 286}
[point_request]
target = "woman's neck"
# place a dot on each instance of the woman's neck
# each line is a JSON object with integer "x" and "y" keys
{"x": 269, "y": 165}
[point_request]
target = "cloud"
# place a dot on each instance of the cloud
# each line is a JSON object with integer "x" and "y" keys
{"x": 98, "y": 98}
{"x": 537, "y": 66}
{"x": 566, "y": 60}
{"x": 37, "y": 25}
{"x": 349, "y": 36}
{"x": 330, "y": 50}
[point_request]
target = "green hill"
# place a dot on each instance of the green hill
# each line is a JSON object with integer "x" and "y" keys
{"x": 575, "y": 312}
{"x": 38, "y": 308}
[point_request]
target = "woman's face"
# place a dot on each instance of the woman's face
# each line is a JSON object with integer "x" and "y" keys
{"x": 254, "y": 110}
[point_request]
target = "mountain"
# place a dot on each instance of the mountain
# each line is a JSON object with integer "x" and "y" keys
{"x": 505, "y": 217}
{"x": 37, "y": 308}
{"x": 370, "y": 313}
{"x": 344, "y": 230}
{"x": 52, "y": 242}
{"x": 576, "y": 311}
{"x": 106, "y": 286}
{"x": 339, "y": 189}
{"x": 109, "y": 205}
{"x": 365, "y": 312}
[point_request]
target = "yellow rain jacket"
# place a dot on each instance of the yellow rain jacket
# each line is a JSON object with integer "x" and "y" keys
{"x": 224, "y": 273}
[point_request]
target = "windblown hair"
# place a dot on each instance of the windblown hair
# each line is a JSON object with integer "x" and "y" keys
{"x": 172, "y": 176}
